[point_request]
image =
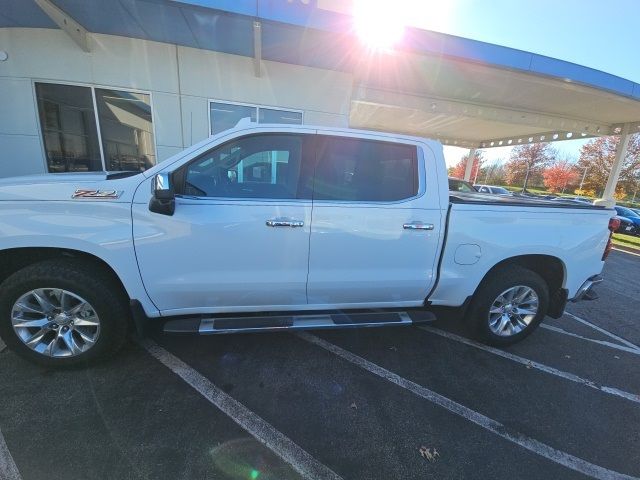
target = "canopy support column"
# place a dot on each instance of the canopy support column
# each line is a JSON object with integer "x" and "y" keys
{"x": 621, "y": 151}
{"x": 469, "y": 166}
{"x": 76, "y": 32}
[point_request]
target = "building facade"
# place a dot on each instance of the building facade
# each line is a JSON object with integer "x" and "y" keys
{"x": 121, "y": 85}
{"x": 129, "y": 103}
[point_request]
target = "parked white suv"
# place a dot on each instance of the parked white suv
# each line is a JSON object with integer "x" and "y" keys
{"x": 264, "y": 226}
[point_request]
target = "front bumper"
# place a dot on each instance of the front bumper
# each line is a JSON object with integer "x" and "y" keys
{"x": 585, "y": 292}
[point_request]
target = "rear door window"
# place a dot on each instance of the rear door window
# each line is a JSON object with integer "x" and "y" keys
{"x": 359, "y": 170}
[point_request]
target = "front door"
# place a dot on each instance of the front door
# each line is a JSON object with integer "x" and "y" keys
{"x": 239, "y": 237}
{"x": 374, "y": 237}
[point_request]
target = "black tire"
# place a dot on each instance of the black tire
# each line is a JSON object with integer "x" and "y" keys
{"x": 491, "y": 287}
{"x": 82, "y": 278}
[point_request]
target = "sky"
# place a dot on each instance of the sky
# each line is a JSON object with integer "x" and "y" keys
{"x": 593, "y": 33}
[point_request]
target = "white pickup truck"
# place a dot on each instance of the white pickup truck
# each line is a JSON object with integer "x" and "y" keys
{"x": 280, "y": 227}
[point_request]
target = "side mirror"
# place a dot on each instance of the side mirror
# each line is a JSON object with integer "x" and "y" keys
{"x": 163, "y": 198}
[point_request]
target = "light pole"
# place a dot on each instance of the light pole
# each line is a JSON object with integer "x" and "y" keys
{"x": 486, "y": 176}
{"x": 475, "y": 178}
{"x": 526, "y": 179}
{"x": 583, "y": 176}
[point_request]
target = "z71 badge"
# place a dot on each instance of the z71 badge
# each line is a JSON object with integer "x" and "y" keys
{"x": 96, "y": 194}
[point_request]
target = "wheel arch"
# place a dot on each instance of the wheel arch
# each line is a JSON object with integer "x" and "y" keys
{"x": 552, "y": 270}
{"x": 15, "y": 259}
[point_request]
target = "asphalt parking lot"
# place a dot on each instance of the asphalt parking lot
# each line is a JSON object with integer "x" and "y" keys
{"x": 387, "y": 403}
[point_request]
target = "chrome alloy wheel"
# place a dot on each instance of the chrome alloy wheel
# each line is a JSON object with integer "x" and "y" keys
{"x": 55, "y": 322}
{"x": 513, "y": 311}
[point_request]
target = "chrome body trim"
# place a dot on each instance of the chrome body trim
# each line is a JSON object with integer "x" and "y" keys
{"x": 586, "y": 287}
{"x": 93, "y": 194}
{"x": 418, "y": 226}
{"x": 161, "y": 182}
{"x": 219, "y": 325}
{"x": 283, "y": 222}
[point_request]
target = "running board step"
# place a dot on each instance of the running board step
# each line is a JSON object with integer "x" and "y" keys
{"x": 214, "y": 325}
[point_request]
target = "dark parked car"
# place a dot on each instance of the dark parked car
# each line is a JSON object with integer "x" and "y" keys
{"x": 492, "y": 189}
{"x": 579, "y": 199}
{"x": 630, "y": 217}
{"x": 576, "y": 200}
{"x": 626, "y": 226}
{"x": 457, "y": 185}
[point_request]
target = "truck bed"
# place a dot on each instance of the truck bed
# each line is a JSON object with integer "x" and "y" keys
{"x": 486, "y": 199}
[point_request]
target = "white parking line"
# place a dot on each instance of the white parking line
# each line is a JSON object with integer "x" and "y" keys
{"x": 562, "y": 458}
{"x": 8, "y": 469}
{"x": 603, "y": 331}
{"x": 530, "y": 363}
{"x": 627, "y": 252}
{"x": 280, "y": 444}
{"x": 600, "y": 342}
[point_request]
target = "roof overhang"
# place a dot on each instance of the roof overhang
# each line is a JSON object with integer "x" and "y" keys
{"x": 481, "y": 105}
{"x": 461, "y": 91}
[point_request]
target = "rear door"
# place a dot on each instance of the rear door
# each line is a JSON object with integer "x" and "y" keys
{"x": 374, "y": 237}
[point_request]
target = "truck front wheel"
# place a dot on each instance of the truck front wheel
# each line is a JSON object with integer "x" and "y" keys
{"x": 509, "y": 304}
{"x": 62, "y": 312}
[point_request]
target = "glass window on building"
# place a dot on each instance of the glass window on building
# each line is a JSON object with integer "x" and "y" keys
{"x": 72, "y": 137}
{"x": 69, "y": 128}
{"x": 126, "y": 129}
{"x": 271, "y": 115}
{"x": 224, "y": 116}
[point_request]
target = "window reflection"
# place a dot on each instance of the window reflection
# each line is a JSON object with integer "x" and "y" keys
{"x": 68, "y": 128}
{"x": 365, "y": 171}
{"x": 260, "y": 166}
{"x": 126, "y": 129}
{"x": 70, "y": 134}
{"x": 226, "y": 115}
{"x": 271, "y": 115}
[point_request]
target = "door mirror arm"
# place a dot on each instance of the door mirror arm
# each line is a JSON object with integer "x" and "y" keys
{"x": 163, "y": 197}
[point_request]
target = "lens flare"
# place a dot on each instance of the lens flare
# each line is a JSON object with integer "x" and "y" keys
{"x": 378, "y": 24}
{"x": 247, "y": 459}
{"x": 382, "y": 24}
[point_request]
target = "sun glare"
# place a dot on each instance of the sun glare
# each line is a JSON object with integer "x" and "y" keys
{"x": 378, "y": 24}
{"x": 381, "y": 24}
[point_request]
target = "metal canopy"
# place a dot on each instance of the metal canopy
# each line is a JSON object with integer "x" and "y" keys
{"x": 481, "y": 105}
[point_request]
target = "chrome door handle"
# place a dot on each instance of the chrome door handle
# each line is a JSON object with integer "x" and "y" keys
{"x": 277, "y": 222}
{"x": 418, "y": 226}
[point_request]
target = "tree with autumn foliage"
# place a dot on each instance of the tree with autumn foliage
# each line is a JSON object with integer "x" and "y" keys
{"x": 492, "y": 174}
{"x": 597, "y": 157}
{"x": 458, "y": 169}
{"x": 527, "y": 162}
{"x": 559, "y": 175}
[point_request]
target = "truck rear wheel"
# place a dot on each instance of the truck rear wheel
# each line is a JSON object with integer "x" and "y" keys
{"x": 62, "y": 312}
{"x": 509, "y": 305}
